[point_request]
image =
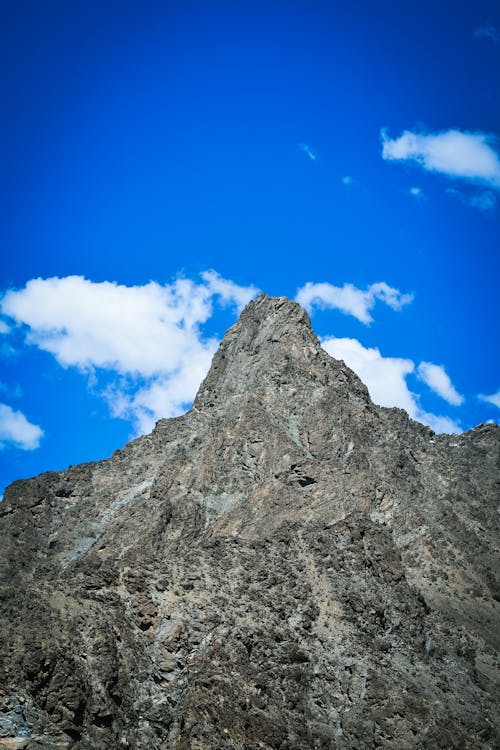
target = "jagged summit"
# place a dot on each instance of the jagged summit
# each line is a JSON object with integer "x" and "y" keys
{"x": 286, "y": 566}
{"x": 272, "y": 349}
{"x": 267, "y": 321}
{"x": 268, "y": 331}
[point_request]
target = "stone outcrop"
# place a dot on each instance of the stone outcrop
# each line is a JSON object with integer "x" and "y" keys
{"x": 285, "y": 566}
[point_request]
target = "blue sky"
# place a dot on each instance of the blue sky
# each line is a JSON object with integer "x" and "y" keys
{"x": 162, "y": 162}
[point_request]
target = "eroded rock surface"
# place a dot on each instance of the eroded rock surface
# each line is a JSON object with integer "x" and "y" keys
{"x": 285, "y": 566}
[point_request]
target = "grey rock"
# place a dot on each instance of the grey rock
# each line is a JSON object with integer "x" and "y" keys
{"x": 285, "y": 566}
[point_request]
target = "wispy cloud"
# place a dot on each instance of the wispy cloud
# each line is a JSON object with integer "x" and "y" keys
{"x": 485, "y": 200}
{"x": 167, "y": 394}
{"x": 351, "y": 300}
{"x": 438, "y": 380}
{"x": 348, "y": 180}
{"x": 385, "y": 378}
{"x": 148, "y": 336}
{"x": 228, "y": 292}
{"x": 17, "y": 431}
{"x": 487, "y": 32}
{"x": 494, "y": 399}
{"x": 309, "y": 151}
{"x": 416, "y": 192}
{"x": 11, "y": 390}
{"x": 453, "y": 153}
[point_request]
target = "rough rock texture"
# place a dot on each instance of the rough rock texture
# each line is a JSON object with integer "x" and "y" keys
{"x": 285, "y": 566}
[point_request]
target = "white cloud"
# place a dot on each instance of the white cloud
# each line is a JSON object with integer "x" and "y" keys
{"x": 438, "y": 424}
{"x": 163, "y": 396}
{"x": 351, "y": 300}
{"x": 347, "y": 180}
{"x": 4, "y": 328}
{"x": 149, "y": 335}
{"x": 416, "y": 192}
{"x": 229, "y": 292}
{"x": 16, "y": 430}
{"x": 139, "y": 329}
{"x": 438, "y": 380}
{"x": 487, "y": 32}
{"x": 310, "y": 152}
{"x": 385, "y": 378}
{"x": 494, "y": 399}
{"x": 456, "y": 154}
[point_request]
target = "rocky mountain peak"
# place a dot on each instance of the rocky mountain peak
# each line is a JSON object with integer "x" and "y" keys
{"x": 285, "y": 567}
{"x": 272, "y": 353}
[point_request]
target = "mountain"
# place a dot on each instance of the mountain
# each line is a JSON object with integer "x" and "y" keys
{"x": 285, "y": 566}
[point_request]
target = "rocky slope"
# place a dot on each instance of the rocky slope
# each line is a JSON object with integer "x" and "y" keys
{"x": 285, "y": 566}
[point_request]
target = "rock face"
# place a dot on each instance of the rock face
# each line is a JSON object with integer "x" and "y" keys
{"x": 285, "y": 566}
